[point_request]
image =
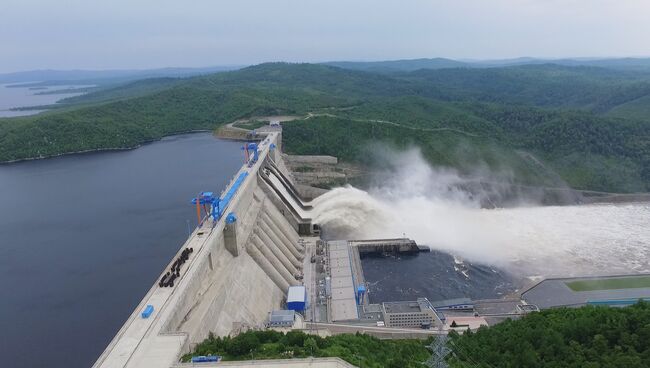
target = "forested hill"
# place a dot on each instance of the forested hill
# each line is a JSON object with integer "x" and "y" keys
{"x": 546, "y": 85}
{"x": 586, "y": 125}
{"x": 566, "y": 337}
{"x": 399, "y": 65}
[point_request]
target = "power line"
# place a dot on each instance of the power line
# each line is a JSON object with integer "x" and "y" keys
{"x": 468, "y": 356}
{"x": 439, "y": 352}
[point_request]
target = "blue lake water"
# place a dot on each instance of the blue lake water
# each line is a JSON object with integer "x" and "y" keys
{"x": 83, "y": 237}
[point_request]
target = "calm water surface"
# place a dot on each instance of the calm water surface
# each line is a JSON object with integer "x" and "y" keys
{"x": 11, "y": 97}
{"x": 83, "y": 237}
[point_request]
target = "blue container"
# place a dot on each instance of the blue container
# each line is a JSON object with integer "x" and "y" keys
{"x": 297, "y": 298}
{"x": 147, "y": 311}
{"x": 205, "y": 359}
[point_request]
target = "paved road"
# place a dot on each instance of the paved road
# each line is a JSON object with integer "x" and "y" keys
{"x": 389, "y": 332}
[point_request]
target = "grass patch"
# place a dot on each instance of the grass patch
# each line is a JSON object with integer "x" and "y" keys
{"x": 610, "y": 283}
{"x": 251, "y": 125}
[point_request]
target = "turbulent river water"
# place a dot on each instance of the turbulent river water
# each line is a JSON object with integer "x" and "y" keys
{"x": 498, "y": 246}
{"x": 527, "y": 241}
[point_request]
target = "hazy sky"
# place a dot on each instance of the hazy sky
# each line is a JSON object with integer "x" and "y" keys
{"x": 90, "y": 34}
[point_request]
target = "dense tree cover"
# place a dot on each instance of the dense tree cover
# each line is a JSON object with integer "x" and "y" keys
{"x": 587, "y": 151}
{"x": 636, "y": 109}
{"x": 515, "y": 118}
{"x": 549, "y": 85}
{"x": 593, "y": 337}
{"x": 345, "y": 138}
{"x": 359, "y": 349}
{"x": 123, "y": 91}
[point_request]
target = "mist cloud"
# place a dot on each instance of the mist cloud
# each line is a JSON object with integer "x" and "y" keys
{"x": 430, "y": 206}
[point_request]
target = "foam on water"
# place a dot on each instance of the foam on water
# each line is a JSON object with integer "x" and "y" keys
{"x": 421, "y": 203}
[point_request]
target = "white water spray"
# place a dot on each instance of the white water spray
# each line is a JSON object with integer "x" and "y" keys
{"x": 528, "y": 240}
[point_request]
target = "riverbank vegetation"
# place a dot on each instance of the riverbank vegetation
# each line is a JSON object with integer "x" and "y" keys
{"x": 547, "y": 124}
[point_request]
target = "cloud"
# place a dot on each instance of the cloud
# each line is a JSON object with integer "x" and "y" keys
{"x": 144, "y": 34}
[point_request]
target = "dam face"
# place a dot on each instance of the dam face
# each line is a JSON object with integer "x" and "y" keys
{"x": 228, "y": 275}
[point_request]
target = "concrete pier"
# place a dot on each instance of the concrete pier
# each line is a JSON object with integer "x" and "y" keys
{"x": 398, "y": 245}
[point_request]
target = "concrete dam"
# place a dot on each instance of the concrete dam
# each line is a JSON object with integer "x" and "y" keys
{"x": 234, "y": 268}
{"x": 256, "y": 261}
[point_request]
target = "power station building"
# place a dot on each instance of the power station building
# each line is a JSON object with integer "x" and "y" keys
{"x": 419, "y": 313}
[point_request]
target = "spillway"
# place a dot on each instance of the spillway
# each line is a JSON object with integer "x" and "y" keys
{"x": 295, "y": 204}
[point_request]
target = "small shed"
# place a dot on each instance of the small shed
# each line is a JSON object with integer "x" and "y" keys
{"x": 297, "y": 298}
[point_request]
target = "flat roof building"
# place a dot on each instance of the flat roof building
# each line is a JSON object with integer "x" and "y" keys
{"x": 419, "y": 313}
{"x": 371, "y": 312}
{"x": 282, "y": 318}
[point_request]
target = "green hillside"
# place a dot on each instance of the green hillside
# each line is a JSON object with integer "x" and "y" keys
{"x": 123, "y": 91}
{"x": 537, "y": 120}
{"x": 636, "y": 109}
{"x": 545, "y": 85}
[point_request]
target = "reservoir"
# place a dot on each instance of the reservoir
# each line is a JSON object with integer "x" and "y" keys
{"x": 83, "y": 238}
{"x": 16, "y": 96}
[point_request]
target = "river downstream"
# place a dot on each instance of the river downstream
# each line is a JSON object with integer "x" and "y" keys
{"x": 83, "y": 237}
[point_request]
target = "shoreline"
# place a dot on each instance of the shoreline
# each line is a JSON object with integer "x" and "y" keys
{"x": 109, "y": 149}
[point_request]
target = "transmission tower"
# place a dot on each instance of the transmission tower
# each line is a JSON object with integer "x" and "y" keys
{"x": 439, "y": 351}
